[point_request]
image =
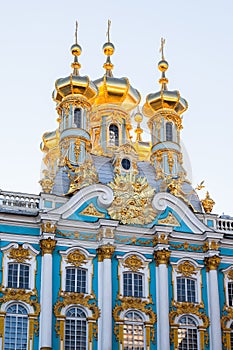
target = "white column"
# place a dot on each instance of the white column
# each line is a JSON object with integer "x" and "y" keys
{"x": 105, "y": 254}
{"x": 162, "y": 259}
{"x": 100, "y": 301}
{"x": 213, "y": 301}
{"x": 47, "y": 246}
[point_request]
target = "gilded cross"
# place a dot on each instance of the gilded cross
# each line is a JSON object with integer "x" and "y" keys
{"x": 162, "y": 47}
{"x": 108, "y": 31}
{"x": 76, "y": 33}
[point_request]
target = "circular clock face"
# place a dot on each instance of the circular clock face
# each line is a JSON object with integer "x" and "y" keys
{"x": 125, "y": 163}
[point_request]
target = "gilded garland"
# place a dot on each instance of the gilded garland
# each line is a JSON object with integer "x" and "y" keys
{"x": 132, "y": 200}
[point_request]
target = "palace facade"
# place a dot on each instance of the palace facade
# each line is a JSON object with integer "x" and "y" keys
{"x": 117, "y": 252}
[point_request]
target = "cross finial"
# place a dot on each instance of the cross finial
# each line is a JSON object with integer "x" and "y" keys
{"x": 108, "y": 31}
{"x": 76, "y": 33}
{"x": 162, "y": 47}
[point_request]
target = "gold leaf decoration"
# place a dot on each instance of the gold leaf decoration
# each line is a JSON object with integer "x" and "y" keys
{"x": 133, "y": 263}
{"x": 230, "y": 275}
{"x": 169, "y": 220}
{"x": 90, "y": 210}
{"x": 20, "y": 254}
{"x": 132, "y": 200}
{"x": 76, "y": 258}
{"x": 186, "y": 269}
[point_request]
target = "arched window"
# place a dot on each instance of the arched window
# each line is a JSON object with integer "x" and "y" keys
{"x": 169, "y": 136}
{"x": 18, "y": 276}
{"x": 78, "y": 117}
{"x": 76, "y": 280}
{"x": 187, "y": 334}
{"x": 133, "y": 332}
{"x": 113, "y": 135}
{"x": 16, "y": 328}
{"x": 75, "y": 329}
{"x": 186, "y": 289}
{"x": 132, "y": 284}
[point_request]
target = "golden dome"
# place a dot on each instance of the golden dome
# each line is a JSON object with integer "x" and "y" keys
{"x": 112, "y": 90}
{"x": 115, "y": 91}
{"x": 164, "y": 99}
{"x": 74, "y": 84}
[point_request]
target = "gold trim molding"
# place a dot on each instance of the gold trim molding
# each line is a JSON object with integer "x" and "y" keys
{"x": 48, "y": 227}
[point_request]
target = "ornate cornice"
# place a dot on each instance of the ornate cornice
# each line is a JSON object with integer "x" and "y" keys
{"x": 162, "y": 257}
{"x": 47, "y": 245}
{"x": 212, "y": 262}
{"x": 105, "y": 252}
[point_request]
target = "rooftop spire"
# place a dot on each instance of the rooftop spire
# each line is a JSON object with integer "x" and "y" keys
{"x": 108, "y": 49}
{"x": 76, "y": 51}
{"x": 163, "y": 66}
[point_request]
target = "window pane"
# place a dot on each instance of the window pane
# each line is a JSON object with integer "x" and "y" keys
{"x": 127, "y": 284}
{"x": 16, "y": 326}
{"x": 186, "y": 289}
{"x": 230, "y": 293}
{"x": 168, "y": 131}
{"x": 18, "y": 276}
{"x": 75, "y": 330}
{"x": 76, "y": 280}
{"x": 137, "y": 285}
{"x": 133, "y": 333}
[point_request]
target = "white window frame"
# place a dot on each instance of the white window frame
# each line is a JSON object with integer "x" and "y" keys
{"x": 144, "y": 317}
{"x": 195, "y": 276}
{"x": 86, "y": 314}
{"x": 87, "y": 265}
{"x": 31, "y": 262}
{"x": 144, "y": 271}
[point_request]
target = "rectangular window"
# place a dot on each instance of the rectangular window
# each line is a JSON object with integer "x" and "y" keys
{"x": 186, "y": 290}
{"x": 76, "y": 280}
{"x": 132, "y": 284}
{"x": 230, "y": 293}
{"x": 18, "y": 276}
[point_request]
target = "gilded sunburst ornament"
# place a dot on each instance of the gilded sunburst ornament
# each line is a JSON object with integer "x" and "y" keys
{"x": 132, "y": 200}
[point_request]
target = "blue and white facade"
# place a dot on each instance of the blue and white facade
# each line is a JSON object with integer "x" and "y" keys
{"x": 117, "y": 252}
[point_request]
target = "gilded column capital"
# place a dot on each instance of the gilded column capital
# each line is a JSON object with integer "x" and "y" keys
{"x": 47, "y": 245}
{"x": 105, "y": 252}
{"x": 162, "y": 257}
{"x": 212, "y": 262}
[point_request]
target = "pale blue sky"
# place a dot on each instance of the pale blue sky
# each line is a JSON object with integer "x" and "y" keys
{"x": 35, "y": 39}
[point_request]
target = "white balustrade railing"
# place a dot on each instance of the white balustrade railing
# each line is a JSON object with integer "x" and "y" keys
{"x": 14, "y": 200}
{"x": 224, "y": 224}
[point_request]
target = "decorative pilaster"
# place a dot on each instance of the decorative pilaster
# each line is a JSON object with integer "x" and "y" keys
{"x": 162, "y": 260}
{"x": 212, "y": 264}
{"x": 47, "y": 247}
{"x": 105, "y": 253}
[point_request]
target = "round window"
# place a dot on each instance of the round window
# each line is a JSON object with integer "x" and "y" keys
{"x": 125, "y": 163}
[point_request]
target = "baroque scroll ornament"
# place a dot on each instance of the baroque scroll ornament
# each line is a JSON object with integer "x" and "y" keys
{"x": 132, "y": 200}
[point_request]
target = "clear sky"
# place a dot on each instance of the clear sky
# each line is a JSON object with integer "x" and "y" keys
{"x": 35, "y": 38}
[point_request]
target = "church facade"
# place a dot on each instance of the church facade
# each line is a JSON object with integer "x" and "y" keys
{"x": 117, "y": 252}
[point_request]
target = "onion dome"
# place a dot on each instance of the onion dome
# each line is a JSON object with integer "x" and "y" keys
{"x": 74, "y": 84}
{"x": 164, "y": 99}
{"x": 112, "y": 90}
